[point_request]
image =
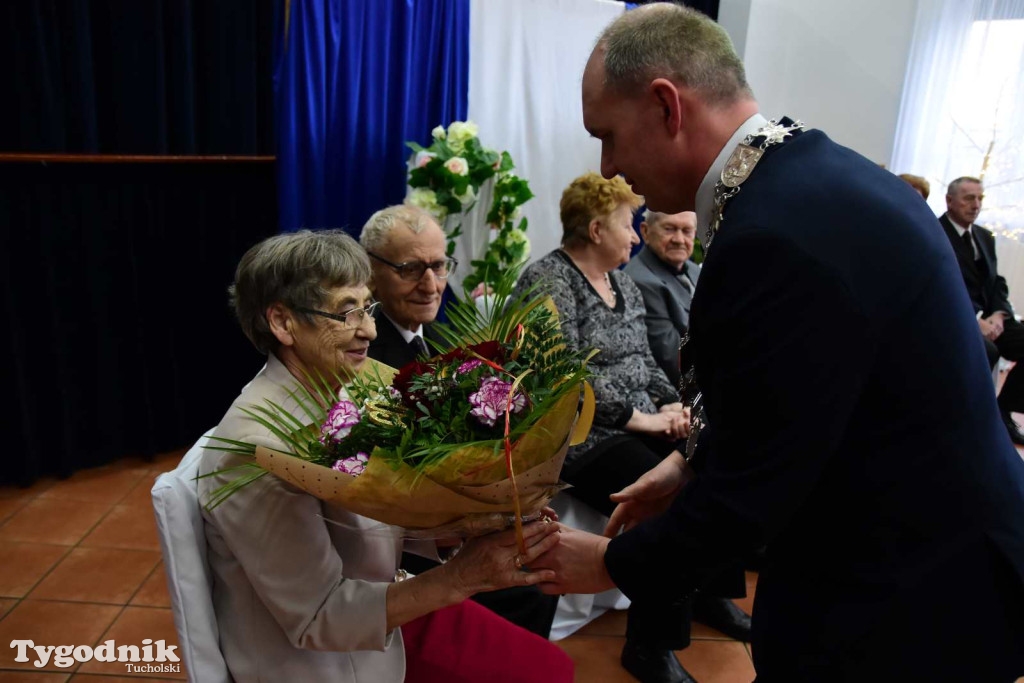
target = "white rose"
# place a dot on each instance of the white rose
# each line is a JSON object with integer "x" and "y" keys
{"x": 422, "y": 159}
{"x": 438, "y": 133}
{"x": 467, "y": 197}
{"x": 461, "y": 132}
{"x": 425, "y": 199}
{"x": 457, "y": 166}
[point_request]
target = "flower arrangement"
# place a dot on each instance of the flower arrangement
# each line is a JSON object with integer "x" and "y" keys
{"x": 446, "y": 178}
{"x": 439, "y": 444}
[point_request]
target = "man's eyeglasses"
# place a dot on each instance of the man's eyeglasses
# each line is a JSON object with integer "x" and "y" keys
{"x": 351, "y": 318}
{"x": 413, "y": 270}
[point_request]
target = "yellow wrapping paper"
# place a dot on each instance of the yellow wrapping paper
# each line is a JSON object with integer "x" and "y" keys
{"x": 469, "y": 493}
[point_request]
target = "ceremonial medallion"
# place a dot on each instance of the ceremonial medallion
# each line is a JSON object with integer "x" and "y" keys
{"x": 740, "y": 164}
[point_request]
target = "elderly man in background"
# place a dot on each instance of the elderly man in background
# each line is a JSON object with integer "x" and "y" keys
{"x": 666, "y": 279}
{"x": 410, "y": 269}
{"x": 975, "y": 249}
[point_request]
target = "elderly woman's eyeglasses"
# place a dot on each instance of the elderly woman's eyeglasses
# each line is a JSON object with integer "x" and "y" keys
{"x": 351, "y": 318}
{"x": 413, "y": 270}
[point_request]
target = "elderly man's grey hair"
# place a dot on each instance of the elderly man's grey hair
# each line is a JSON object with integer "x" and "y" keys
{"x": 652, "y": 217}
{"x": 666, "y": 40}
{"x": 377, "y": 230}
{"x": 955, "y": 185}
{"x": 297, "y": 269}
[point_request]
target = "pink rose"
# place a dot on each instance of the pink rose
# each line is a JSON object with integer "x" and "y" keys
{"x": 457, "y": 166}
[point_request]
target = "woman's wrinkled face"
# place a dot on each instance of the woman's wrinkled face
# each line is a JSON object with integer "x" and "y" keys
{"x": 617, "y": 236}
{"x": 329, "y": 346}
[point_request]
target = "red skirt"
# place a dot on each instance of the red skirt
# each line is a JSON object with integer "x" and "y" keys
{"x": 468, "y": 642}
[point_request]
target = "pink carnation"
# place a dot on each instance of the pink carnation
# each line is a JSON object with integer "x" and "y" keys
{"x": 342, "y": 417}
{"x": 469, "y": 366}
{"x": 489, "y": 402}
{"x": 353, "y": 465}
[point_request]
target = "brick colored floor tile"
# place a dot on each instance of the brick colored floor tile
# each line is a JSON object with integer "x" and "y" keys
{"x": 154, "y": 590}
{"x": 31, "y": 677}
{"x": 596, "y": 658}
{"x": 6, "y": 605}
{"x": 34, "y": 490}
{"x": 168, "y": 461}
{"x": 53, "y": 623}
{"x": 97, "y": 575}
{"x": 715, "y": 661}
{"x": 139, "y": 495}
{"x": 611, "y": 623}
{"x": 129, "y": 527}
{"x": 12, "y": 503}
{"x": 25, "y": 564}
{"x": 63, "y": 522}
{"x": 134, "y": 625}
{"x": 96, "y": 485}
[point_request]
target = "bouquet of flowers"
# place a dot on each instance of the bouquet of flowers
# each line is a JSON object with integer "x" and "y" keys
{"x": 454, "y": 445}
{"x": 446, "y": 178}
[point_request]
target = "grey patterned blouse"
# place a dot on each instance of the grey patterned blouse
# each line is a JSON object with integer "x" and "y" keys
{"x": 626, "y": 375}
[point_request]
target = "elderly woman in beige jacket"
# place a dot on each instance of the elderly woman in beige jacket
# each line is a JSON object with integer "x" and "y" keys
{"x": 305, "y": 590}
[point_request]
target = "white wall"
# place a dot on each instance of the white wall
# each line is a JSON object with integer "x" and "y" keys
{"x": 838, "y": 65}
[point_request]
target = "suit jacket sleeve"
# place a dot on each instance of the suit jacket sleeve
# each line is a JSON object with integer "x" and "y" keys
{"x": 661, "y": 329}
{"x": 274, "y": 532}
{"x": 1002, "y": 291}
{"x": 781, "y": 381}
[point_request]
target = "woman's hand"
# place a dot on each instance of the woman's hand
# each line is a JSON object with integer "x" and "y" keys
{"x": 491, "y": 562}
{"x": 667, "y": 424}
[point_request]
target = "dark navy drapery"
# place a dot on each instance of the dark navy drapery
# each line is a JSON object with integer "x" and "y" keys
{"x": 355, "y": 79}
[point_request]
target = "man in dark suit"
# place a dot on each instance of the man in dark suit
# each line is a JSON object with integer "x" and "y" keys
{"x": 975, "y": 250}
{"x": 410, "y": 269}
{"x": 851, "y": 423}
{"x": 666, "y": 279}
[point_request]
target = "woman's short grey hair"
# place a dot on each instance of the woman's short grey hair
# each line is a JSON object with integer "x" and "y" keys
{"x": 377, "y": 230}
{"x": 297, "y": 269}
{"x": 665, "y": 40}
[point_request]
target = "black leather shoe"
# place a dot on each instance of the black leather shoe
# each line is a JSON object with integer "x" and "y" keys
{"x": 1013, "y": 428}
{"x": 651, "y": 665}
{"x": 722, "y": 614}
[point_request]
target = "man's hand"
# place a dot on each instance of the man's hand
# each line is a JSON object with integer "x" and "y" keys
{"x": 996, "y": 321}
{"x": 577, "y": 561}
{"x": 650, "y": 495}
{"x": 988, "y": 330}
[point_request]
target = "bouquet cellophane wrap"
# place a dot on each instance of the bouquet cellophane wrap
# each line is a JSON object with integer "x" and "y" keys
{"x": 468, "y": 493}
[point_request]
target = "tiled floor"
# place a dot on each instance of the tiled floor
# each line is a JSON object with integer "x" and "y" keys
{"x": 81, "y": 564}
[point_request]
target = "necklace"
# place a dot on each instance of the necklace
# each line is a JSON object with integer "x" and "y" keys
{"x": 612, "y": 297}
{"x": 611, "y": 291}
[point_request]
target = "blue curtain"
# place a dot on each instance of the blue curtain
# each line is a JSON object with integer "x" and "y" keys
{"x": 355, "y": 79}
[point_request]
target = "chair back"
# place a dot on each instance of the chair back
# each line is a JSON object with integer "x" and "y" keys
{"x": 179, "y": 522}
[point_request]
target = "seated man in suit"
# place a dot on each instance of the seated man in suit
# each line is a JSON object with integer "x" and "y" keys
{"x": 975, "y": 249}
{"x": 666, "y": 279}
{"x": 410, "y": 269}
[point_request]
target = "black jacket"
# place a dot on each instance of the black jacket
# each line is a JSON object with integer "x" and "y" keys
{"x": 986, "y": 287}
{"x": 852, "y": 428}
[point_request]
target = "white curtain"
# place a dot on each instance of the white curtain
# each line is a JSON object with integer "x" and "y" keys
{"x": 525, "y": 68}
{"x": 962, "y": 111}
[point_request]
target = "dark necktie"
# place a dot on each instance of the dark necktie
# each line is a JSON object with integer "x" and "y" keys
{"x": 969, "y": 241}
{"x": 418, "y": 346}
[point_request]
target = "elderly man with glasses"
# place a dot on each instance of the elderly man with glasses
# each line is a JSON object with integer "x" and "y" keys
{"x": 410, "y": 270}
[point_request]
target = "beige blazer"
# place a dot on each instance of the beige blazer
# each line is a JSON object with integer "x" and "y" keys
{"x": 297, "y": 598}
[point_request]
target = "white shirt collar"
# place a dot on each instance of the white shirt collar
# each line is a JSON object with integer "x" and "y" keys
{"x": 960, "y": 230}
{"x": 407, "y": 335}
{"x": 705, "y": 200}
